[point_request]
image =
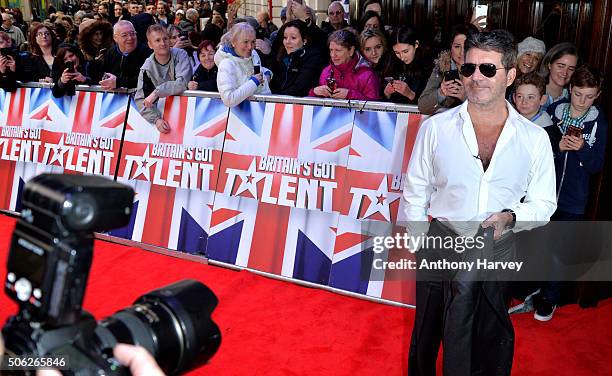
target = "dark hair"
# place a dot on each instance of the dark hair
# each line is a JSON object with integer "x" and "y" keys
{"x": 298, "y": 24}
{"x": 466, "y": 29}
{"x": 205, "y": 44}
{"x": 370, "y": 2}
{"x": 34, "y": 47}
{"x": 531, "y": 78}
{"x": 345, "y": 38}
{"x": 406, "y": 35}
{"x": 61, "y": 54}
{"x": 555, "y": 53}
{"x": 587, "y": 76}
{"x": 500, "y": 41}
{"x": 366, "y": 16}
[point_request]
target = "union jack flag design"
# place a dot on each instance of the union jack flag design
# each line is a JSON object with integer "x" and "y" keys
{"x": 380, "y": 150}
{"x": 48, "y": 134}
{"x": 173, "y": 174}
{"x": 277, "y": 203}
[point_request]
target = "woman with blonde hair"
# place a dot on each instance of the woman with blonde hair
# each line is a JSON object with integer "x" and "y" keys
{"x": 240, "y": 72}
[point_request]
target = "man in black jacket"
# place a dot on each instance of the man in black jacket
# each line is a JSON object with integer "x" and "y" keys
{"x": 122, "y": 62}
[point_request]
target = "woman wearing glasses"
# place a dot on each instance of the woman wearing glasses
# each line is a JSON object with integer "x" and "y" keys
{"x": 444, "y": 89}
{"x": 43, "y": 46}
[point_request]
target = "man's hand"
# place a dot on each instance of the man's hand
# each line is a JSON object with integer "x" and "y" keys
{"x": 322, "y": 91}
{"x": 140, "y": 362}
{"x": 110, "y": 82}
{"x": 499, "y": 221}
{"x": 162, "y": 126}
{"x": 149, "y": 101}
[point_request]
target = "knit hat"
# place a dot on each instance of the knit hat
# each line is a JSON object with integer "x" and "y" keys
{"x": 531, "y": 44}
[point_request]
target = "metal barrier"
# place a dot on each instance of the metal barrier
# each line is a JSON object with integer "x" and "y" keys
{"x": 282, "y": 185}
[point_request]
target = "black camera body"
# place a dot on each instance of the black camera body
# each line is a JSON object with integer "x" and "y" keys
{"x": 47, "y": 271}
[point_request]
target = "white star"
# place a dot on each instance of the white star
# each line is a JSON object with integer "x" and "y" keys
{"x": 249, "y": 179}
{"x": 380, "y": 200}
{"x": 58, "y": 152}
{"x": 142, "y": 165}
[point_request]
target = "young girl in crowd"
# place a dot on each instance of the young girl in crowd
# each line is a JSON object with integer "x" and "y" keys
{"x": 373, "y": 48}
{"x": 558, "y": 65}
{"x": 298, "y": 65}
{"x": 345, "y": 77}
{"x": 406, "y": 73}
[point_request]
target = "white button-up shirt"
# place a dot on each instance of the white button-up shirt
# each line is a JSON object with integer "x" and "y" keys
{"x": 445, "y": 180}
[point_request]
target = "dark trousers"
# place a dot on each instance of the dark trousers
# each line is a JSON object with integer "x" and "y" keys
{"x": 466, "y": 311}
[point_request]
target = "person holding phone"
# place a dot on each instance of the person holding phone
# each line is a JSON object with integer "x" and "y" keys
{"x": 578, "y": 137}
{"x": 95, "y": 37}
{"x": 236, "y": 60}
{"x": 346, "y": 77}
{"x": 407, "y": 67}
{"x": 444, "y": 88}
{"x": 70, "y": 69}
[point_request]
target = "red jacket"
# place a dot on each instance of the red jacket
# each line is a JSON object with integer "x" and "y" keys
{"x": 360, "y": 79}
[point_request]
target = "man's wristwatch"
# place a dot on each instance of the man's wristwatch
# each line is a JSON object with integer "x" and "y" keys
{"x": 513, "y": 222}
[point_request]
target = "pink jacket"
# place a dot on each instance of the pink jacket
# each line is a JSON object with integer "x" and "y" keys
{"x": 360, "y": 79}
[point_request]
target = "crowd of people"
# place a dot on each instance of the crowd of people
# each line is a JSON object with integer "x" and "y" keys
{"x": 200, "y": 45}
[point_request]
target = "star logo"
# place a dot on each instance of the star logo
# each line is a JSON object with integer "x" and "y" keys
{"x": 143, "y": 165}
{"x": 58, "y": 152}
{"x": 249, "y": 179}
{"x": 380, "y": 200}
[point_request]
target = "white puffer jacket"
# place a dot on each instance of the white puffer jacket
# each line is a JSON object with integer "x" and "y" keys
{"x": 234, "y": 76}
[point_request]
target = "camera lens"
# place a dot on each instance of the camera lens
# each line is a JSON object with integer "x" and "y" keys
{"x": 78, "y": 211}
{"x": 173, "y": 323}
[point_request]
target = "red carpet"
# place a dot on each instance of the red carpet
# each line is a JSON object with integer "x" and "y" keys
{"x": 271, "y": 327}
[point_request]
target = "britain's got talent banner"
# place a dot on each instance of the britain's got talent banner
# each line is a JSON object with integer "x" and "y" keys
{"x": 173, "y": 174}
{"x": 289, "y": 189}
{"x": 279, "y": 192}
{"x": 380, "y": 149}
{"x": 40, "y": 133}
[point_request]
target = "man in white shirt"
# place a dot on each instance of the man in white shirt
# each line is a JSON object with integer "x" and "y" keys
{"x": 480, "y": 162}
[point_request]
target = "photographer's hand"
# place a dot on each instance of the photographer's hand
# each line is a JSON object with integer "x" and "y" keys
{"x": 140, "y": 362}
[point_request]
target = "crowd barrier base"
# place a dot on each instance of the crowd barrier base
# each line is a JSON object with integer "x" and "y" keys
{"x": 280, "y": 186}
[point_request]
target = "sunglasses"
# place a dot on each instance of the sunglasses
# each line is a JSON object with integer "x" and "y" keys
{"x": 487, "y": 69}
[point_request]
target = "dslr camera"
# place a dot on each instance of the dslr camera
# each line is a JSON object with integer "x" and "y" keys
{"x": 47, "y": 271}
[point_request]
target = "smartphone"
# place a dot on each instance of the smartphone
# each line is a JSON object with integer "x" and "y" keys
{"x": 573, "y": 131}
{"x": 6, "y": 51}
{"x": 332, "y": 84}
{"x": 70, "y": 66}
{"x": 451, "y": 75}
{"x": 481, "y": 10}
{"x": 257, "y": 69}
{"x": 389, "y": 79}
{"x": 183, "y": 35}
